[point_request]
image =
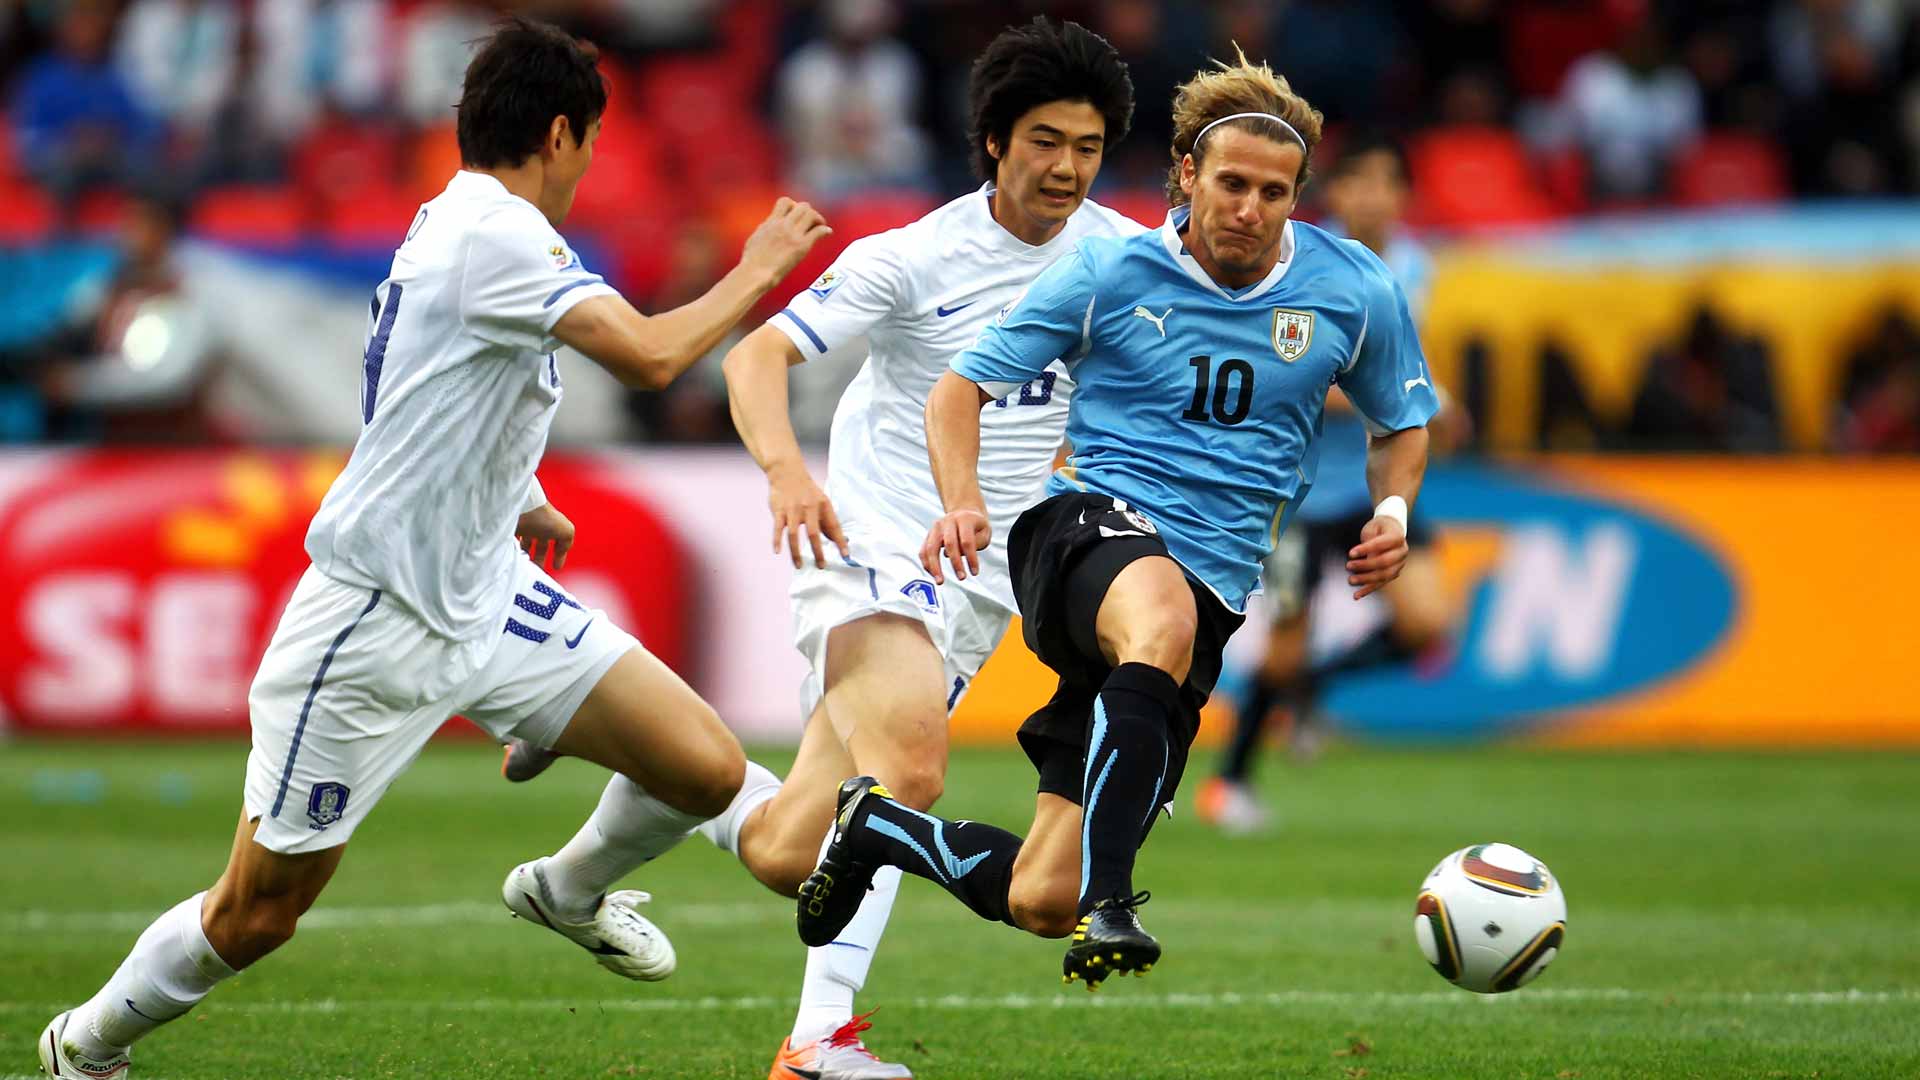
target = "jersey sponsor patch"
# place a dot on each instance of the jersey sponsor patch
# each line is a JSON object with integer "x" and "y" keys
{"x": 1292, "y": 333}
{"x": 824, "y": 285}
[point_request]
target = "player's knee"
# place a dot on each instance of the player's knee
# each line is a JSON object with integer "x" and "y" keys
{"x": 1049, "y": 909}
{"x": 707, "y": 789}
{"x": 917, "y": 784}
{"x": 1165, "y": 641}
{"x": 1417, "y": 628}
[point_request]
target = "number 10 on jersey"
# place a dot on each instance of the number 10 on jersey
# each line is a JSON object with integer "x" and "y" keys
{"x": 1234, "y": 379}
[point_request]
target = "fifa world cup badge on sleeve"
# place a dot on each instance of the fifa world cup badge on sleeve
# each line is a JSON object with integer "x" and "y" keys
{"x": 824, "y": 285}
{"x": 327, "y": 803}
{"x": 1292, "y": 333}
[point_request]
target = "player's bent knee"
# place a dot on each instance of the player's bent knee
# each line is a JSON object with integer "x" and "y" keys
{"x": 1047, "y": 911}
{"x": 916, "y": 784}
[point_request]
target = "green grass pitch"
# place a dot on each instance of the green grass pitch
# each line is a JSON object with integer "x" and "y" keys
{"x": 1730, "y": 916}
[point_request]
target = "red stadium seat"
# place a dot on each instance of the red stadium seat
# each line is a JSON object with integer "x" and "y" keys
{"x": 1726, "y": 169}
{"x": 26, "y": 213}
{"x": 1144, "y": 205}
{"x": 251, "y": 215}
{"x": 625, "y": 175}
{"x": 434, "y": 159}
{"x": 100, "y": 212}
{"x": 377, "y": 217}
{"x": 741, "y": 152}
{"x": 1469, "y": 176}
{"x": 339, "y": 161}
{"x": 695, "y": 98}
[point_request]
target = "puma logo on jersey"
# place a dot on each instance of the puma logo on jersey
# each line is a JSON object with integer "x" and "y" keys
{"x": 1421, "y": 381}
{"x": 1159, "y": 323}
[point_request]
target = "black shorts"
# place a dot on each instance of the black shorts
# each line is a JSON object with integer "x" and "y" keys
{"x": 1062, "y": 564}
{"x": 1310, "y": 552}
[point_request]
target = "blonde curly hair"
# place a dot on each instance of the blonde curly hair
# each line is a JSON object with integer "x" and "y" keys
{"x": 1242, "y": 86}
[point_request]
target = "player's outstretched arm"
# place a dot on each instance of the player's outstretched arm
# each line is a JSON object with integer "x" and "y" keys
{"x": 953, "y": 446}
{"x": 756, "y": 371}
{"x": 1396, "y": 462}
{"x": 650, "y": 351}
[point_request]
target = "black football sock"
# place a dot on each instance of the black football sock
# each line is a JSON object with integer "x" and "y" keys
{"x": 1248, "y": 723}
{"x": 970, "y": 859}
{"x": 1127, "y": 757}
{"x": 1378, "y": 647}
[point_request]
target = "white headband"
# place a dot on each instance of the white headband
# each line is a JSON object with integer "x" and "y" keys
{"x": 1245, "y": 115}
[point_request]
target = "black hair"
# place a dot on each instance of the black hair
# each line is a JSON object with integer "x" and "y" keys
{"x": 526, "y": 73}
{"x": 1372, "y": 142}
{"x": 1032, "y": 65}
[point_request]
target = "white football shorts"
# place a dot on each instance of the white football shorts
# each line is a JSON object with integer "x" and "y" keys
{"x": 885, "y": 576}
{"x": 354, "y": 684}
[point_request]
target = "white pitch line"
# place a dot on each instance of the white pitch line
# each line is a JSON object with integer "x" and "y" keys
{"x": 1066, "y": 999}
{"x": 462, "y": 913}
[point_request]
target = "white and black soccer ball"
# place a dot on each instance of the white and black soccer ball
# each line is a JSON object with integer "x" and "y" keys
{"x": 1490, "y": 918}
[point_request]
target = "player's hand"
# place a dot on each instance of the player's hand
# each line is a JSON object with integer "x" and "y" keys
{"x": 782, "y": 240}
{"x": 959, "y": 535}
{"x": 1377, "y": 559}
{"x": 542, "y": 532}
{"x": 801, "y": 511}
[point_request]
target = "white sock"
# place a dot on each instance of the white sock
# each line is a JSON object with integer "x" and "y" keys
{"x": 837, "y": 970}
{"x": 759, "y": 786}
{"x": 627, "y": 830}
{"x": 172, "y": 966}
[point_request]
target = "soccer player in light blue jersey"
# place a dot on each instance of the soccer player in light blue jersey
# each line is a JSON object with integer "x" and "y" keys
{"x": 1203, "y": 352}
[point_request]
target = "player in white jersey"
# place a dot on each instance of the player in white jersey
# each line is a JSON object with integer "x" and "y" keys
{"x": 419, "y": 604}
{"x": 890, "y": 652}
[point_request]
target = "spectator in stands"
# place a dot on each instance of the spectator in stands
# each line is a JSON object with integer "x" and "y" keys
{"x": 1630, "y": 109}
{"x": 437, "y": 44}
{"x": 1712, "y": 391}
{"x": 179, "y": 58}
{"x": 847, "y": 104}
{"x": 1845, "y": 133}
{"x": 136, "y": 370}
{"x": 1880, "y": 410}
{"x": 76, "y": 123}
{"x": 318, "y": 56}
{"x": 694, "y": 409}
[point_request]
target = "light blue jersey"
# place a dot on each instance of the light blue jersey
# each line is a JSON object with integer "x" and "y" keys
{"x": 1198, "y": 405}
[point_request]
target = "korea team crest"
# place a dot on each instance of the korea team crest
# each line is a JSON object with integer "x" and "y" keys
{"x": 1292, "y": 333}
{"x": 327, "y": 803}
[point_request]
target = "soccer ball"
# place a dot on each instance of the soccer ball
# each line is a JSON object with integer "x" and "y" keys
{"x": 1490, "y": 918}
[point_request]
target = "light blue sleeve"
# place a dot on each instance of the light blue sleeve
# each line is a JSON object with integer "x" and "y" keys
{"x": 1048, "y": 322}
{"x": 1387, "y": 380}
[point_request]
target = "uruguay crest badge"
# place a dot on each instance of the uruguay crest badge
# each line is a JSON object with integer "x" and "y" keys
{"x": 1292, "y": 333}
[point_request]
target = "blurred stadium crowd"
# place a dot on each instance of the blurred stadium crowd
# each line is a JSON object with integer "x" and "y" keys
{"x": 317, "y": 126}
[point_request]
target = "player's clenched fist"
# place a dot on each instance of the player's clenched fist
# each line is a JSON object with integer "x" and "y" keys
{"x": 959, "y": 536}
{"x": 781, "y": 241}
{"x": 1377, "y": 559}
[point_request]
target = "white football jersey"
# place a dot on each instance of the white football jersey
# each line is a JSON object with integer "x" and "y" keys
{"x": 459, "y": 387}
{"x": 921, "y": 294}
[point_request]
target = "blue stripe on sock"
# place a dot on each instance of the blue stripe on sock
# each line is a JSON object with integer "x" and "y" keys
{"x": 1093, "y": 792}
{"x": 319, "y": 676}
{"x": 1158, "y": 795}
{"x": 957, "y": 867}
{"x": 887, "y": 828}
